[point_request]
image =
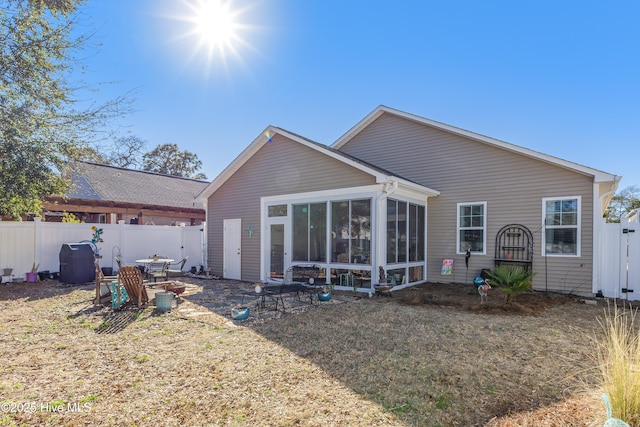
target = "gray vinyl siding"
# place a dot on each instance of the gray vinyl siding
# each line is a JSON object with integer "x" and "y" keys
{"x": 280, "y": 167}
{"x": 466, "y": 170}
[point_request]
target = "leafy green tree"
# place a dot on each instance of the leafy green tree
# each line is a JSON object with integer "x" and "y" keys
{"x": 168, "y": 159}
{"x": 622, "y": 203}
{"x": 41, "y": 124}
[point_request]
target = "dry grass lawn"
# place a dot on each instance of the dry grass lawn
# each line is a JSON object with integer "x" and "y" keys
{"x": 410, "y": 360}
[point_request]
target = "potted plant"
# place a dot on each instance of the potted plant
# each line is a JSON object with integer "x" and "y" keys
{"x": 512, "y": 280}
{"x": 33, "y": 274}
{"x": 240, "y": 312}
{"x": 7, "y": 271}
{"x": 325, "y": 293}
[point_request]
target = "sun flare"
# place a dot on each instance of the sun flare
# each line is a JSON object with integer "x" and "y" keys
{"x": 215, "y": 24}
{"x": 214, "y": 29}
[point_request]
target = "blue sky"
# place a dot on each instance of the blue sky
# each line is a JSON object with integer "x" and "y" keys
{"x": 559, "y": 77}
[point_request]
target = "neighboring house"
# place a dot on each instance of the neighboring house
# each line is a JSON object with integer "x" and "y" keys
{"x": 107, "y": 194}
{"x": 404, "y": 193}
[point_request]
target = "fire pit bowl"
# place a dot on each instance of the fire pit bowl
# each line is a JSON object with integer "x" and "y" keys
{"x": 176, "y": 289}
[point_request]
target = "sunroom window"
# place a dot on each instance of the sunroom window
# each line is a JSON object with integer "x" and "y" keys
{"x": 351, "y": 231}
{"x": 472, "y": 225}
{"x": 562, "y": 226}
{"x": 405, "y": 232}
{"x": 310, "y": 232}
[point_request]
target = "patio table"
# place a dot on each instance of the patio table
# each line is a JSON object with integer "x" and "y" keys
{"x": 150, "y": 260}
{"x": 261, "y": 298}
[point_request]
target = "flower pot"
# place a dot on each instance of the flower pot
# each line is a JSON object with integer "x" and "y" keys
{"x": 107, "y": 271}
{"x": 164, "y": 301}
{"x": 324, "y": 296}
{"x": 7, "y": 271}
{"x": 31, "y": 277}
{"x": 240, "y": 313}
{"x": 43, "y": 275}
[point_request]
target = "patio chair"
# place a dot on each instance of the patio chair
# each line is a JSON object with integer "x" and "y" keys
{"x": 298, "y": 279}
{"x": 101, "y": 278}
{"x": 131, "y": 279}
{"x": 173, "y": 272}
{"x": 157, "y": 270}
{"x": 307, "y": 277}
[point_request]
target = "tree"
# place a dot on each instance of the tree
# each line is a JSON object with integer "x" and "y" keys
{"x": 126, "y": 152}
{"x": 168, "y": 159}
{"x": 622, "y": 203}
{"x": 42, "y": 126}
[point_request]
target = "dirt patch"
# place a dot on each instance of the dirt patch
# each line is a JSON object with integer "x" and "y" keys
{"x": 467, "y": 298}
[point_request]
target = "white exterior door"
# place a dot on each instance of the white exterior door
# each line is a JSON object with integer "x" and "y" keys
{"x": 232, "y": 250}
{"x": 278, "y": 239}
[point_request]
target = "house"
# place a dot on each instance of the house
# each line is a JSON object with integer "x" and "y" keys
{"x": 107, "y": 194}
{"x": 399, "y": 195}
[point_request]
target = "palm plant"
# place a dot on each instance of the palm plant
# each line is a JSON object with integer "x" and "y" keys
{"x": 512, "y": 280}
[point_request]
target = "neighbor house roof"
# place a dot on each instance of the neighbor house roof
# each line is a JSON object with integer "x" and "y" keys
{"x": 102, "y": 182}
{"x": 599, "y": 176}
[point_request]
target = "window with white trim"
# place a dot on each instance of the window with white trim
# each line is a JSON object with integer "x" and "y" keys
{"x": 561, "y": 220}
{"x": 472, "y": 227}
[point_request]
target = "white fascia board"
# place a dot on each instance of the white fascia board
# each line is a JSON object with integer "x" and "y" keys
{"x": 323, "y": 195}
{"x": 415, "y": 192}
{"x": 598, "y": 176}
{"x": 410, "y": 188}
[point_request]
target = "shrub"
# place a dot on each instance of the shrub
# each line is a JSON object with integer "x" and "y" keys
{"x": 512, "y": 280}
{"x": 619, "y": 363}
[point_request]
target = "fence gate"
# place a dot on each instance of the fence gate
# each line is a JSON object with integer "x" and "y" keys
{"x": 621, "y": 260}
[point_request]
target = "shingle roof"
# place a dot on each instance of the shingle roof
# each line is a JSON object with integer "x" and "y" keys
{"x": 102, "y": 182}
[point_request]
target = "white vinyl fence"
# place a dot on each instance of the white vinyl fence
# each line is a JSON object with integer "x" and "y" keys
{"x": 621, "y": 259}
{"x": 24, "y": 243}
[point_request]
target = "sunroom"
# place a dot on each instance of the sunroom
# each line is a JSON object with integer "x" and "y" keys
{"x": 354, "y": 235}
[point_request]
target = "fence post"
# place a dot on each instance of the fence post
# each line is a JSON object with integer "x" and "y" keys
{"x": 121, "y": 244}
{"x": 203, "y": 243}
{"x": 37, "y": 241}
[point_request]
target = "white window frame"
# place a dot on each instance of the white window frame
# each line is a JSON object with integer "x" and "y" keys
{"x": 483, "y": 228}
{"x": 577, "y": 226}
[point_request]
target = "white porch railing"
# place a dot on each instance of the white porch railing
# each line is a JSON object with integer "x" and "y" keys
{"x": 24, "y": 243}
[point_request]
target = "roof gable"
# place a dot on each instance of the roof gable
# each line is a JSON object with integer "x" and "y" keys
{"x": 599, "y": 176}
{"x": 266, "y": 137}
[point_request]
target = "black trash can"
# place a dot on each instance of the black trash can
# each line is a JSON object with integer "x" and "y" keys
{"x": 77, "y": 263}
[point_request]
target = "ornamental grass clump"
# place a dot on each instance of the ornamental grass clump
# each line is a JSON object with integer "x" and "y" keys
{"x": 512, "y": 280}
{"x": 619, "y": 362}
